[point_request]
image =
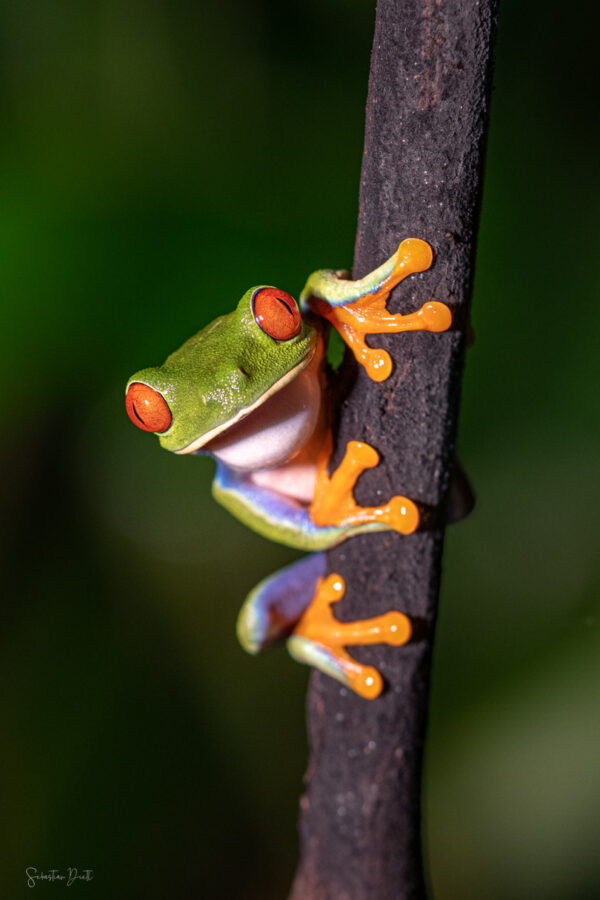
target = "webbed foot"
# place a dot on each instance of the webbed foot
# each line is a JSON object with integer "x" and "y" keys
{"x": 319, "y": 639}
{"x": 334, "y": 502}
{"x": 358, "y": 308}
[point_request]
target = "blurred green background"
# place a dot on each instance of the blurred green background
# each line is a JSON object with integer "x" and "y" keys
{"x": 156, "y": 159}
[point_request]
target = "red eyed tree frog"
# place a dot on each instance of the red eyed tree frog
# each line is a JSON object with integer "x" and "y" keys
{"x": 250, "y": 390}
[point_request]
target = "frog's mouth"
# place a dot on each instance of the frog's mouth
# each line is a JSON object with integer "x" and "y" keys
{"x": 271, "y": 430}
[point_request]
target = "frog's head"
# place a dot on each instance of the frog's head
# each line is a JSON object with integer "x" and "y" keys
{"x": 241, "y": 389}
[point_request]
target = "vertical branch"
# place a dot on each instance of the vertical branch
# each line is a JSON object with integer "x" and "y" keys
{"x": 422, "y": 169}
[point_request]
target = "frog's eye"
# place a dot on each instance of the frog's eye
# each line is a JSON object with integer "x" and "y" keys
{"x": 276, "y": 313}
{"x": 147, "y": 408}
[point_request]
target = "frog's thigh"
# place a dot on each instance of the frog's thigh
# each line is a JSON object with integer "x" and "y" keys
{"x": 273, "y": 515}
{"x": 273, "y": 607}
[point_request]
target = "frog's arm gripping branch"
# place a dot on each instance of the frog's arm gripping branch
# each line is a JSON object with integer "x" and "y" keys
{"x": 358, "y": 308}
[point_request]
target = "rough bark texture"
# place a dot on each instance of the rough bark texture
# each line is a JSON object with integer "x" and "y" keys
{"x": 426, "y": 122}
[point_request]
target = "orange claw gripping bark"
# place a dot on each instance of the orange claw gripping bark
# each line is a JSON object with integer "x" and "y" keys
{"x": 369, "y": 315}
{"x": 319, "y": 626}
{"x": 334, "y": 502}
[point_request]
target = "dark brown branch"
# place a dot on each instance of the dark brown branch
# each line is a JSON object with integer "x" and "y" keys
{"x": 425, "y": 135}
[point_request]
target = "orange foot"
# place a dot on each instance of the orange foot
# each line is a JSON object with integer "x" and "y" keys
{"x": 319, "y": 639}
{"x": 369, "y": 314}
{"x": 334, "y": 502}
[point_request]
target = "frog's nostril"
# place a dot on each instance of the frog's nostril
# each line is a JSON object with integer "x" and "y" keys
{"x": 147, "y": 408}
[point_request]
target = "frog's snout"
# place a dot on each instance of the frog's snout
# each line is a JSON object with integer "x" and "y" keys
{"x": 147, "y": 408}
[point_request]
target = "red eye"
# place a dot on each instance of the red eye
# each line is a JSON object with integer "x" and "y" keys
{"x": 147, "y": 408}
{"x": 277, "y": 313}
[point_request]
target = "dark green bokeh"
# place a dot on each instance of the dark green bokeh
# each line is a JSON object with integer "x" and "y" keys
{"x": 156, "y": 160}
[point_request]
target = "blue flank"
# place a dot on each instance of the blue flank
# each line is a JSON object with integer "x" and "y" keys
{"x": 274, "y": 516}
{"x": 274, "y": 606}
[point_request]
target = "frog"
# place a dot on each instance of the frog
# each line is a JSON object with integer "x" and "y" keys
{"x": 253, "y": 391}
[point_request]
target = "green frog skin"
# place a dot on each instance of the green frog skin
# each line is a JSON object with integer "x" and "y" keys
{"x": 251, "y": 390}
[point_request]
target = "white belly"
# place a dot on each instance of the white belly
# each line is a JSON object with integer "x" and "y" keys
{"x": 274, "y": 432}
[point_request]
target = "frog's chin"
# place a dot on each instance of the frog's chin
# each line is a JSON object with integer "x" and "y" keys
{"x": 274, "y": 432}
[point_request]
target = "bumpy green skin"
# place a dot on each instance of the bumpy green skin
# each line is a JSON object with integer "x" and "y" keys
{"x": 214, "y": 378}
{"x": 226, "y": 369}
{"x": 219, "y": 372}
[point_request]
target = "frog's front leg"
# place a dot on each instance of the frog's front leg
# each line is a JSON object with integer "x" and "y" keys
{"x": 358, "y": 308}
{"x": 319, "y": 639}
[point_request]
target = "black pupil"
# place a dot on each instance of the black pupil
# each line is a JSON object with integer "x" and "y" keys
{"x": 137, "y": 414}
{"x": 287, "y": 305}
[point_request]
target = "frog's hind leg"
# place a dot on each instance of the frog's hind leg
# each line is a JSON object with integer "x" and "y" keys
{"x": 319, "y": 639}
{"x": 358, "y": 308}
{"x": 273, "y": 607}
{"x": 334, "y": 503}
{"x": 296, "y": 603}
{"x": 271, "y": 514}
